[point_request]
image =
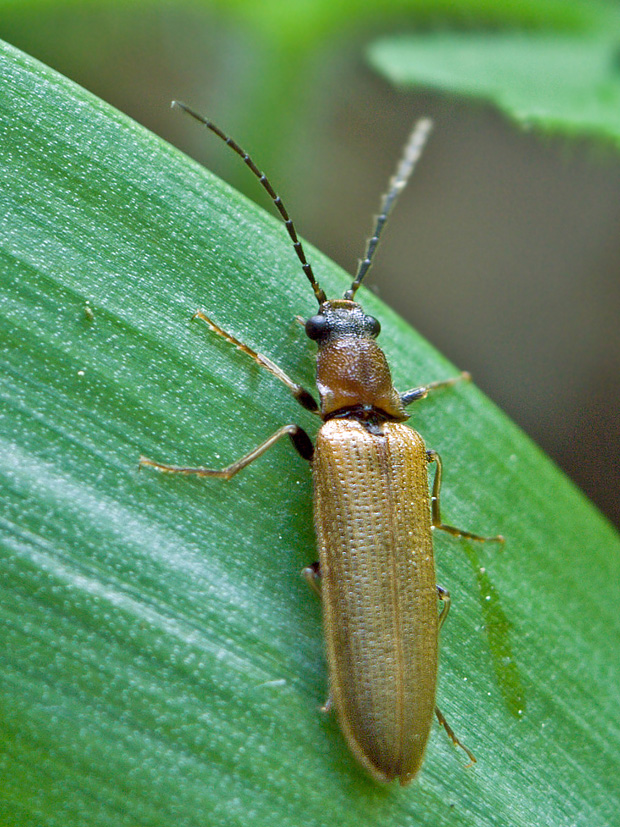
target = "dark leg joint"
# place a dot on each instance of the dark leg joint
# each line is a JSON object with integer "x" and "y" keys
{"x": 306, "y": 400}
{"x": 302, "y": 443}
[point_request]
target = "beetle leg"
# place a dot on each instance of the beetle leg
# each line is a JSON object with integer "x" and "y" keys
{"x": 303, "y": 396}
{"x": 423, "y": 391}
{"x": 299, "y": 438}
{"x": 312, "y": 576}
{"x": 444, "y": 596}
{"x": 433, "y": 456}
{"x": 452, "y": 736}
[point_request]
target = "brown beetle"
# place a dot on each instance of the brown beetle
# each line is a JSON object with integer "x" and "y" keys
{"x": 372, "y": 512}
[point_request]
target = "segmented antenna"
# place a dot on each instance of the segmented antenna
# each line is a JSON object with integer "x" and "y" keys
{"x": 411, "y": 153}
{"x": 288, "y": 222}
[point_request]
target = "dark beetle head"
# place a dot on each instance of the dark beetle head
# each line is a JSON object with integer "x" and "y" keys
{"x": 340, "y": 318}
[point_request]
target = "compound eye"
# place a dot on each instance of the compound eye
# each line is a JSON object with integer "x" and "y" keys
{"x": 374, "y": 326}
{"x": 316, "y": 327}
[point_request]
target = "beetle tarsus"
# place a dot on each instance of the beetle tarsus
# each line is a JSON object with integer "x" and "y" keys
{"x": 415, "y": 394}
{"x": 227, "y": 473}
{"x": 451, "y": 734}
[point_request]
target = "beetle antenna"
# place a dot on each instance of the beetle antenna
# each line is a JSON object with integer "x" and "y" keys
{"x": 288, "y": 221}
{"x": 411, "y": 153}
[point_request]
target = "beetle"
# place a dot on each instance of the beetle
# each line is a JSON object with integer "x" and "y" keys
{"x": 373, "y": 514}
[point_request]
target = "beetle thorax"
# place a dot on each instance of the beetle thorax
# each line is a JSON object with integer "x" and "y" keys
{"x": 353, "y": 372}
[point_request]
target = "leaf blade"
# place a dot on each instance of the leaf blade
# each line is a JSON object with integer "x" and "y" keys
{"x": 556, "y": 83}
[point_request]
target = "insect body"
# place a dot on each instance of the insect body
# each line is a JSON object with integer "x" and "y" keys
{"x": 373, "y": 517}
{"x": 379, "y": 593}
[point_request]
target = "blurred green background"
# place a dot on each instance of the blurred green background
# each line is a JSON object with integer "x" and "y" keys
{"x": 503, "y": 252}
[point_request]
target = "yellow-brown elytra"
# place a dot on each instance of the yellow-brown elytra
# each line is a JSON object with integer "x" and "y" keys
{"x": 373, "y": 515}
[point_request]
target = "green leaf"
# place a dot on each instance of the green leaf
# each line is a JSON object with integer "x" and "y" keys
{"x": 557, "y": 83}
{"x": 162, "y": 658}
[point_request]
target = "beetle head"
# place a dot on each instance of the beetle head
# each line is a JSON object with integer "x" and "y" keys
{"x": 341, "y": 318}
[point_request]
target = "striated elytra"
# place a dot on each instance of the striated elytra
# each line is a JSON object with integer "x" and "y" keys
{"x": 379, "y": 592}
